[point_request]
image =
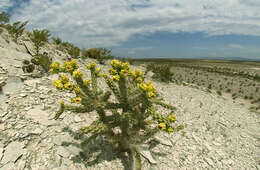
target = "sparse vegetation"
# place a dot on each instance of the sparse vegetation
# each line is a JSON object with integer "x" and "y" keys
{"x": 161, "y": 72}
{"x": 4, "y": 18}
{"x": 39, "y": 38}
{"x": 99, "y": 54}
{"x": 16, "y": 29}
{"x": 42, "y": 60}
{"x": 71, "y": 49}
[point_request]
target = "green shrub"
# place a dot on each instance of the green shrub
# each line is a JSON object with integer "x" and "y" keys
{"x": 4, "y": 18}
{"x": 71, "y": 49}
{"x": 161, "y": 72}
{"x": 39, "y": 38}
{"x": 99, "y": 54}
{"x": 43, "y": 61}
{"x": 16, "y": 29}
{"x": 56, "y": 40}
{"x": 219, "y": 93}
{"x": 133, "y": 117}
{"x": 1, "y": 30}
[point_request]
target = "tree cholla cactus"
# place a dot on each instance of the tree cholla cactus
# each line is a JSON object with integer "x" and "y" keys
{"x": 134, "y": 117}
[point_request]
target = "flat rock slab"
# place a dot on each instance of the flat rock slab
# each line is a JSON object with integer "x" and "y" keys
{"x": 12, "y": 152}
{"x": 40, "y": 116}
{"x": 60, "y": 139}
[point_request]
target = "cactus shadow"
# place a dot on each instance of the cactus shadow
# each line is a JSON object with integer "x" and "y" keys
{"x": 97, "y": 151}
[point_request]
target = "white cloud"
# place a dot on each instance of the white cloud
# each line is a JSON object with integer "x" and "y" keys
{"x": 236, "y": 46}
{"x": 135, "y": 50}
{"x": 5, "y": 4}
{"x": 111, "y": 22}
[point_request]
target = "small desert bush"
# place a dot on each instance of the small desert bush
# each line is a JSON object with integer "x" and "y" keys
{"x": 16, "y": 29}
{"x": 99, "y": 54}
{"x": 70, "y": 48}
{"x": 129, "y": 120}
{"x": 39, "y": 38}
{"x": 44, "y": 61}
{"x": 4, "y": 18}
{"x": 57, "y": 40}
{"x": 161, "y": 72}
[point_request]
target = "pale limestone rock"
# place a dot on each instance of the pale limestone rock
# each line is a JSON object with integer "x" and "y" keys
{"x": 12, "y": 152}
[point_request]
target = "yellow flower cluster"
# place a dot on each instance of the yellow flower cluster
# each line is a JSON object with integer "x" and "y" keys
{"x": 63, "y": 83}
{"x": 87, "y": 82}
{"x": 55, "y": 67}
{"x": 64, "y": 79}
{"x": 97, "y": 72}
{"x": 119, "y": 65}
{"x": 58, "y": 84}
{"x": 116, "y": 77}
{"x": 77, "y": 74}
{"x": 91, "y": 65}
{"x": 77, "y": 89}
{"x": 112, "y": 71}
{"x": 76, "y": 100}
{"x": 172, "y": 117}
{"x": 148, "y": 88}
{"x": 164, "y": 127}
{"x": 70, "y": 66}
{"x": 68, "y": 86}
{"x": 137, "y": 73}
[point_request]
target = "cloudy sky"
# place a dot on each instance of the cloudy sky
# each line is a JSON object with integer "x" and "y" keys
{"x": 149, "y": 28}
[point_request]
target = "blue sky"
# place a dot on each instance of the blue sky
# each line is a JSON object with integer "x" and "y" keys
{"x": 149, "y": 28}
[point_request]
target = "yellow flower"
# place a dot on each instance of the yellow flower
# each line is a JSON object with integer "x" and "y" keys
{"x": 138, "y": 73}
{"x": 64, "y": 79}
{"x": 170, "y": 129}
{"x": 87, "y": 82}
{"x": 68, "y": 86}
{"x": 116, "y": 78}
{"x": 74, "y": 64}
{"x": 54, "y": 68}
{"x": 105, "y": 75}
{"x": 125, "y": 65}
{"x": 76, "y": 89}
{"x": 99, "y": 75}
{"x": 150, "y": 94}
{"x": 122, "y": 74}
{"x": 143, "y": 86}
{"x": 68, "y": 67}
{"x": 172, "y": 117}
{"x": 162, "y": 126}
{"x": 62, "y": 102}
{"x": 98, "y": 69}
{"x": 91, "y": 65}
{"x": 115, "y": 63}
{"x": 150, "y": 87}
{"x": 112, "y": 71}
{"x": 58, "y": 84}
{"x": 76, "y": 100}
{"x": 77, "y": 74}
{"x": 139, "y": 80}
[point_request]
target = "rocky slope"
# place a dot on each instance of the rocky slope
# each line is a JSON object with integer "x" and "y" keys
{"x": 217, "y": 134}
